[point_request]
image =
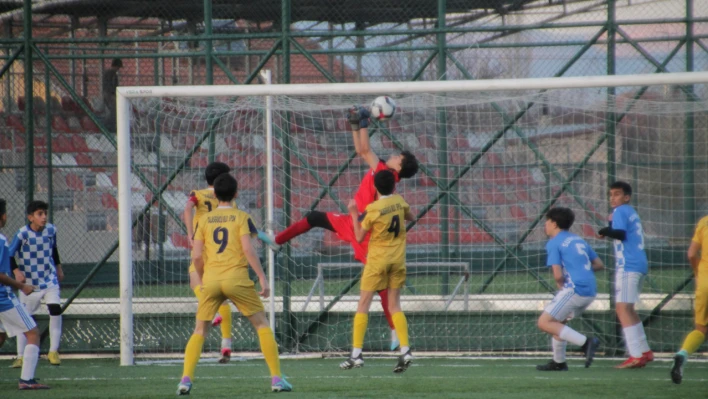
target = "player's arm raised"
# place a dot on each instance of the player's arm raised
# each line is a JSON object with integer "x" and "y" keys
{"x": 359, "y": 122}
{"x": 255, "y": 264}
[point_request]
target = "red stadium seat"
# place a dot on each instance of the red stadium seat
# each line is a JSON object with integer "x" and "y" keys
{"x": 588, "y": 231}
{"x": 494, "y": 159}
{"x": 179, "y": 240}
{"x": 430, "y": 217}
{"x": 5, "y": 143}
{"x": 88, "y": 126}
{"x": 426, "y": 142}
{"x": 15, "y": 122}
{"x": 83, "y": 159}
{"x": 518, "y": 213}
{"x": 423, "y": 235}
{"x": 76, "y": 184}
{"x": 60, "y": 125}
{"x": 199, "y": 161}
{"x": 62, "y": 143}
{"x": 108, "y": 201}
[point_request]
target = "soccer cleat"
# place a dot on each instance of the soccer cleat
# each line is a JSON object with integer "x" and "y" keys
{"x": 552, "y": 366}
{"x": 54, "y": 358}
{"x": 30, "y": 384}
{"x": 269, "y": 239}
{"x": 677, "y": 369}
{"x": 395, "y": 344}
{"x": 632, "y": 363}
{"x": 648, "y": 356}
{"x": 184, "y": 386}
{"x": 352, "y": 363}
{"x": 590, "y": 348}
{"x": 404, "y": 361}
{"x": 225, "y": 356}
{"x": 278, "y": 384}
{"x": 217, "y": 320}
{"x": 17, "y": 364}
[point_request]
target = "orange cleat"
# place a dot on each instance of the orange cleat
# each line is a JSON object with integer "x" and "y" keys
{"x": 648, "y": 356}
{"x": 633, "y": 363}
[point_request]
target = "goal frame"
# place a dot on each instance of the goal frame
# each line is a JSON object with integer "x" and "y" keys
{"x": 124, "y": 94}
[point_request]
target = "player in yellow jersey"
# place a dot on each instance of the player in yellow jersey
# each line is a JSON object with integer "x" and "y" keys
{"x": 698, "y": 258}
{"x": 223, "y": 236}
{"x": 204, "y": 201}
{"x": 385, "y": 264}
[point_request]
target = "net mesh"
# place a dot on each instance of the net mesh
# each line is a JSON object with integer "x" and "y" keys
{"x": 491, "y": 165}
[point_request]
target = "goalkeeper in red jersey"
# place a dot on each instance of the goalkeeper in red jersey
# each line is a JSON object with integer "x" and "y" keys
{"x": 403, "y": 165}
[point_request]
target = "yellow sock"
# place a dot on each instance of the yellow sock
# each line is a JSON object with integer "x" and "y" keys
{"x": 191, "y": 355}
{"x": 198, "y": 292}
{"x": 399, "y": 320}
{"x": 225, "y": 312}
{"x": 361, "y": 321}
{"x": 270, "y": 350}
{"x": 693, "y": 341}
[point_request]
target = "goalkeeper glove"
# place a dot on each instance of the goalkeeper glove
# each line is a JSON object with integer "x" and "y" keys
{"x": 358, "y": 116}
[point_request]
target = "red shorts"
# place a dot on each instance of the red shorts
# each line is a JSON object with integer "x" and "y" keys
{"x": 342, "y": 225}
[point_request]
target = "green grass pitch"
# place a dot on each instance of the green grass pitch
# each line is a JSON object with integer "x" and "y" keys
{"x": 321, "y": 378}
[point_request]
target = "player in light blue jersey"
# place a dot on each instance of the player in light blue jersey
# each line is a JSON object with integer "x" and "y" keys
{"x": 35, "y": 244}
{"x": 573, "y": 263}
{"x": 631, "y": 267}
{"x": 14, "y": 320}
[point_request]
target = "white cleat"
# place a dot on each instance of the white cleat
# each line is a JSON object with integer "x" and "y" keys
{"x": 352, "y": 363}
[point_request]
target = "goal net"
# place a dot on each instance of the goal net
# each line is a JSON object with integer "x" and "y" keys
{"x": 494, "y": 157}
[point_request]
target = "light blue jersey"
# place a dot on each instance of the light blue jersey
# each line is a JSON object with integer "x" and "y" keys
{"x": 575, "y": 256}
{"x": 629, "y": 254}
{"x": 6, "y": 294}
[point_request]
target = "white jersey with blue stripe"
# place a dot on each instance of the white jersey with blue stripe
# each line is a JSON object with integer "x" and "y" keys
{"x": 629, "y": 254}
{"x": 575, "y": 256}
{"x": 7, "y": 297}
{"x": 34, "y": 249}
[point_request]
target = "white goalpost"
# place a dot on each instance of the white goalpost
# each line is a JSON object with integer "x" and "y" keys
{"x": 472, "y": 107}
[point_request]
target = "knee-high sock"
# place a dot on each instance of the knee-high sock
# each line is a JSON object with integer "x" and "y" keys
{"x": 361, "y": 321}
{"x": 21, "y": 344}
{"x": 29, "y": 361}
{"x": 693, "y": 341}
{"x": 399, "y": 320}
{"x": 641, "y": 337}
{"x": 270, "y": 351}
{"x": 54, "y": 333}
{"x": 558, "y": 350}
{"x": 294, "y": 230}
{"x": 192, "y": 353}
{"x": 572, "y": 336}
{"x": 384, "y": 304}
{"x": 631, "y": 336}
{"x": 225, "y": 312}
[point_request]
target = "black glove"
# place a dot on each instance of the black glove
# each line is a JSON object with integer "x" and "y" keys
{"x": 603, "y": 231}
{"x": 358, "y": 116}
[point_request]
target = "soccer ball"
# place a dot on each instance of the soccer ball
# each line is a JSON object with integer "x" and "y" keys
{"x": 383, "y": 108}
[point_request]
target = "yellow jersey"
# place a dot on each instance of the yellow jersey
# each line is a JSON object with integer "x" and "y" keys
{"x": 385, "y": 219}
{"x": 221, "y": 231}
{"x": 701, "y": 237}
{"x": 204, "y": 201}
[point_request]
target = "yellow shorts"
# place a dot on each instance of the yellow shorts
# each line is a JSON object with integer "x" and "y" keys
{"x": 701, "y": 304}
{"x": 377, "y": 277}
{"x": 241, "y": 293}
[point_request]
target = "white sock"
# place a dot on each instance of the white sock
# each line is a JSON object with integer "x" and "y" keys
{"x": 642, "y": 338}
{"x": 21, "y": 344}
{"x": 572, "y": 336}
{"x": 631, "y": 336}
{"x": 29, "y": 362}
{"x": 404, "y": 350}
{"x": 394, "y": 337}
{"x": 558, "y": 350}
{"x": 54, "y": 333}
{"x": 226, "y": 343}
{"x": 356, "y": 352}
